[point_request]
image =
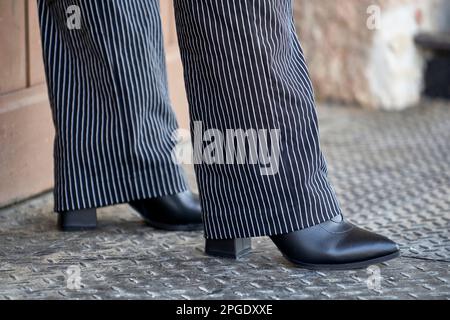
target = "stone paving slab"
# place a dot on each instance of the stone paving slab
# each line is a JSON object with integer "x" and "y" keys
{"x": 390, "y": 170}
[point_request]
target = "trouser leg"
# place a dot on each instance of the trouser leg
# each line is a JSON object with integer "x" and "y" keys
{"x": 109, "y": 98}
{"x": 244, "y": 69}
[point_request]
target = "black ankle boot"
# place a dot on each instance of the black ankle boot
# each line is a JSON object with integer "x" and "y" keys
{"x": 179, "y": 212}
{"x": 335, "y": 245}
{"x": 77, "y": 220}
{"x": 332, "y": 245}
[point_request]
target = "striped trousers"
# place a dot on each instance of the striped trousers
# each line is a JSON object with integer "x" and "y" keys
{"x": 244, "y": 72}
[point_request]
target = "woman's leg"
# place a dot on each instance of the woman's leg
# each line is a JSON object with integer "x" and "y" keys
{"x": 246, "y": 76}
{"x": 245, "y": 69}
{"x": 111, "y": 109}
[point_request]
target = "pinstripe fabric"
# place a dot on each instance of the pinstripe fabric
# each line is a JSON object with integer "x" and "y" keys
{"x": 244, "y": 68}
{"x": 111, "y": 110}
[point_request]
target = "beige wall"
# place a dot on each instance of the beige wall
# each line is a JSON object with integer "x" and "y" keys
{"x": 352, "y": 62}
{"x": 26, "y": 130}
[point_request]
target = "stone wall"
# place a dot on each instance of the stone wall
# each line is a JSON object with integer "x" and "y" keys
{"x": 363, "y": 52}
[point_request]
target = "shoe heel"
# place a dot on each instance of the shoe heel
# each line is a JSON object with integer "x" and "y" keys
{"x": 228, "y": 248}
{"x": 78, "y": 220}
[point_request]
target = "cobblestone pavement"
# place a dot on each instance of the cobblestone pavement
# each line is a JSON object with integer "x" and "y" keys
{"x": 392, "y": 174}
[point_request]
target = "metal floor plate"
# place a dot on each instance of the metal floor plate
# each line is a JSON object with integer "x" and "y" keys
{"x": 390, "y": 170}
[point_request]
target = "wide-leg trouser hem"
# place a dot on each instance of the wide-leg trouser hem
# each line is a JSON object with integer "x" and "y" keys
{"x": 173, "y": 186}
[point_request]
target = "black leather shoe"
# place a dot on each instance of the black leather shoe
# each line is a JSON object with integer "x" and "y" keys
{"x": 332, "y": 245}
{"x": 179, "y": 212}
{"x": 78, "y": 220}
{"x": 335, "y": 245}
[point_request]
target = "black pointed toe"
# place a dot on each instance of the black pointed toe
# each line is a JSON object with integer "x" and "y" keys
{"x": 178, "y": 212}
{"x": 78, "y": 220}
{"x": 335, "y": 245}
